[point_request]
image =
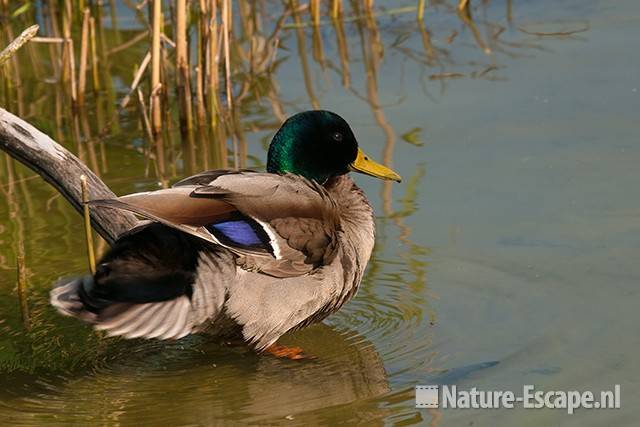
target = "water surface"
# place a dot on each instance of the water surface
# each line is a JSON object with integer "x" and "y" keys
{"x": 507, "y": 256}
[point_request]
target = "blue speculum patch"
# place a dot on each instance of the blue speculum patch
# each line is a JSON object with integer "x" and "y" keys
{"x": 239, "y": 232}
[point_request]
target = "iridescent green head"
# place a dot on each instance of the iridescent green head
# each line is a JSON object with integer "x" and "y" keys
{"x": 319, "y": 145}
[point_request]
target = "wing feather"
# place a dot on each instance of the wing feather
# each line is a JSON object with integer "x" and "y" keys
{"x": 299, "y": 218}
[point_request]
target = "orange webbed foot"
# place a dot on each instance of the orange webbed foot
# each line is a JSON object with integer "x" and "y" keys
{"x": 284, "y": 352}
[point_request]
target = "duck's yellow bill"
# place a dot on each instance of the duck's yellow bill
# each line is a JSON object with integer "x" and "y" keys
{"x": 365, "y": 165}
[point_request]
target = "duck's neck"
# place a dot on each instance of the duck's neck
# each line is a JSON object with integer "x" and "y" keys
{"x": 356, "y": 214}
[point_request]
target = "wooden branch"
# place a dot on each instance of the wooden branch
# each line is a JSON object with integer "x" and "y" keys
{"x": 62, "y": 169}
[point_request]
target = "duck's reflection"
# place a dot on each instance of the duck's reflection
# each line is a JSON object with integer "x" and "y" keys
{"x": 205, "y": 383}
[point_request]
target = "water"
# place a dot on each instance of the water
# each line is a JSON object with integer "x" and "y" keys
{"x": 507, "y": 256}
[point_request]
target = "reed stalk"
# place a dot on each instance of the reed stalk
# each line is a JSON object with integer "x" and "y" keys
{"x": 144, "y": 116}
{"x": 314, "y": 9}
{"x": 68, "y": 48}
{"x": 368, "y": 8}
{"x": 94, "y": 56}
{"x": 87, "y": 224}
{"x": 213, "y": 62}
{"x": 201, "y": 113}
{"x": 156, "y": 111}
{"x": 183, "y": 87}
{"x": 84, "y": 47}
{"x": 213, "y": 87}
{"x": 226, "y": 31}
{"x": 336, "y": 9}
{"x": 420, "y": 15}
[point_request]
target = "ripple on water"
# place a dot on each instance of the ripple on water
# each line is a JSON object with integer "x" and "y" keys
{"x": 199, "y": 381}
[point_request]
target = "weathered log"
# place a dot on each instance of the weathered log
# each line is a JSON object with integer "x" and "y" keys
{"x": 62, "y": 169}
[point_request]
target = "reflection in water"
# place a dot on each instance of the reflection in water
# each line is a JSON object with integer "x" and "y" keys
{"x": 302, "y": 54}
{"x": 465, "y": 15}
{"x": 343, "y": 51}
{"x": 9, "y": 192}
{"x": 195, "y": 381}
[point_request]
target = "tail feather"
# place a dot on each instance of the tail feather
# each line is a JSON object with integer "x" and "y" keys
{"x": 148, "y": 286}
{"x": 65, "y": 296}
{"x": 164, "y": 320}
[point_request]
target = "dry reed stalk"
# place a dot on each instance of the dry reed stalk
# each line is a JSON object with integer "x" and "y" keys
{"x": 314, "y": 9}
{"x": 226, "y": 33}
{"x": 202, "y": 54}
{"x": 201, "y": 113}
{"x": 146, "y": 123}
{"x": 94, "y": 57}
{"x": 336, "y": 9}
{"x": 72, "y": 68}
{"x": 420, "y": 15}
{"x": 48, "y": 40}
{"x": 136, "y": 80}
{"x": 81, "y": 7}
{"x": 183, "y": 87}
{"x": 213, "y": 66}
{"x": 156, "y": 111}
{"x": 64, "y": 68}
{"x": 167, "y": 136}
{"x": 84, "y": 47}
{"x": 87, "y": 224}
{"x": 368, "y": 7}
{"x": 68, "y": 48}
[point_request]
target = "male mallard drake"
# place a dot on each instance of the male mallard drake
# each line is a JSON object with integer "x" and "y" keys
{"x": 243, "y": 252}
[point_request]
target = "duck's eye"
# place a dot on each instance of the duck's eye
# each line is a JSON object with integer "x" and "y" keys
{"x": 337, "y": 136}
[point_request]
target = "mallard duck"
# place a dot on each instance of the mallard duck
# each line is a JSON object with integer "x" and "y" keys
{"x": 239, "y": 253}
